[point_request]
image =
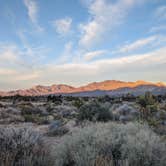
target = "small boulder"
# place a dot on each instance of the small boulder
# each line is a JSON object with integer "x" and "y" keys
{"x": 50, "y": 118}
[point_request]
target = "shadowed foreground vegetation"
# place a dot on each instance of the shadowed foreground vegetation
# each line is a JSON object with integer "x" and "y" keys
{"x": 82, "y": 131}
{"x": 98, "y": 144}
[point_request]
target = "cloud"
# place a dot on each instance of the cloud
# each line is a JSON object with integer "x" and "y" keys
{"x": 94, "y": 54}
{"x": 158, "y": 28}
{"x": 14, "y": 57}
{"x": 161, "y": 12}
{"x": 104, "y": 16}
{"x": 67, "y": 53}
{"x": 63, "y": 26}
{"x": 6, "y": 72}
{"x": 32, "y": 8}
{"x": 9, "y": 55}
{"x": 149, "y": 66}
{"x": 27, "y": 76}
{"x": 137, "y": 44}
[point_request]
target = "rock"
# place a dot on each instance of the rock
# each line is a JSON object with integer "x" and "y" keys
{"x": 50, "y": 118}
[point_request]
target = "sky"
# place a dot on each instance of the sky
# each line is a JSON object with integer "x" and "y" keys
{"x": 74, "y": 42}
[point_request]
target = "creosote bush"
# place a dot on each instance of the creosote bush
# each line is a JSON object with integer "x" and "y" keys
{"x": 23, "y": 147}
{"x": 147, "y": 99}
{"x": 93, "y": 111}
{"x": 112, "y": 144}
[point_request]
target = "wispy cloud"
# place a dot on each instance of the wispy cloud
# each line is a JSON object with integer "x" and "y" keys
{"x": 31, "y": 52}
{"x": 104, "y": 16}
{"x": 161, "y": 12}
{"x": 13, "y": 56}
{"x": 5, "y": 72}
{"x": 137, "y": 44}
{"x": 32, "y": 9}
{"x": 147, "y": 65}
{"x": 158, "y": 28}
{"x": 63, "y": 26}
{"x": 150, "y": 65}
{"x": 9, "y": 55}
{"x": 67, "y": 53}
{"x": 94, "y": 54}
{"x": 27, "y": 76}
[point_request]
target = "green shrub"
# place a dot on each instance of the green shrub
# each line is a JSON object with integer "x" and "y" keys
{"x": 141, "y": 100}
{"x": 29, "y": 118}
{"x": 78, "y": 103}
{"x": 152, "y": 108}
{"x": 147, "y": 99}
{"x": 94, "y": 111}
{"x": 36, "y": 119}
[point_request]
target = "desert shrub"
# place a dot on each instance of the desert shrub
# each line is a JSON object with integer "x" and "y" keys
{"x": 1, "y": 105}
{"x": 147, "y": 99}
{"x": 36, "y": 119}
{"x": 161, "y": 115}
{"x": 152, "y": 108}
{"x": 153, "y": 122}
{"x": 55, "y": 99}
{"x": 148, "y": 105}
{"x": 65, "y": 111}
{"x": 111, "y": 144}
{"x": 8, "y": 116}
{"x": 78, "y": 102}
{"x": 141, "y": 100}
{"x": 57, "y": 128}
{"x": 94, "y": 111}
{"x": 29, "y": 118}
{"x": 29, "y": 109}
{"x": 58, "y": 131}
{"x": 125, "y": 113}
{"x": 13, "y": 110}
{"x": 23, "y": 147}
{"x": 105, "y": 98}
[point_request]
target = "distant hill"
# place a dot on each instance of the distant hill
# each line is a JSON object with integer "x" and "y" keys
{"x": 136, "y": 91}
{"x": 109, "y": 87}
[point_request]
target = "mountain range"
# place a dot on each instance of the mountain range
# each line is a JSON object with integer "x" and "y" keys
{"x": 108, "y": 87}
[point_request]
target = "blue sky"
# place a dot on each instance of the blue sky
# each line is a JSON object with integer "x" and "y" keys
{"x": 79, "y": 41}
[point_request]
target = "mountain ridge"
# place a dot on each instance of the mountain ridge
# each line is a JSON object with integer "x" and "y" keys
{"x": 107, "y": 85}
